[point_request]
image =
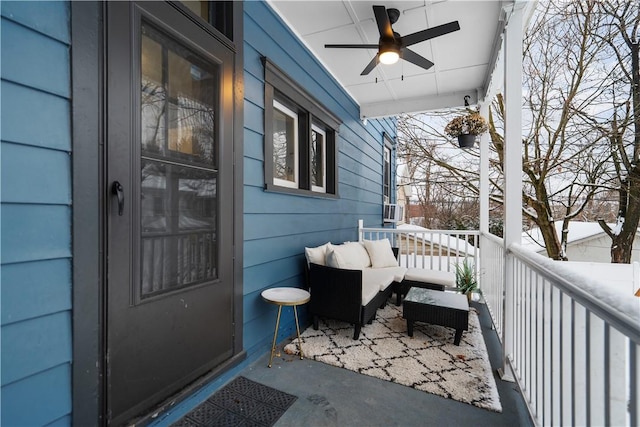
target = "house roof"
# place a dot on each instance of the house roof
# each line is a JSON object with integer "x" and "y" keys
{"x": 466, "y": 61}
{"x": 578, "y": 231}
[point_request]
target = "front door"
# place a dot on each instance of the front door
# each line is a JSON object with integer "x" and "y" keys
{"x": 169, "y": 109}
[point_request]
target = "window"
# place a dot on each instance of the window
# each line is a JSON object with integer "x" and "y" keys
{"x": 318, "y": 159}
{"x": 300, "y": 139}
{"x": 386, "y": 171}
{"x": 285, "y": 146}
{"x": 179, "y": 118}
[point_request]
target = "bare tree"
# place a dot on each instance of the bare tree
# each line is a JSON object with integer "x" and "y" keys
{"x": 564, "y": 163}
{"x": 429, "y": 168}
{"x": 620, "y": 30}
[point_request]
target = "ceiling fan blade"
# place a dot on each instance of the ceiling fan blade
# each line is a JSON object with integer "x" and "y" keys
{"x": 382, "y": 18}
{"x": 352, "y": 46}
{"x": 430, "y": 33}
{"x": 370, "y": 66}
{"x": 414, "y": 58}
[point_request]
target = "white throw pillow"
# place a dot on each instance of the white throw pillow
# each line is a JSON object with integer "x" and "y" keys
{"x": 317, "y": 255}
{"x": 359, "y": 257}
{"x": 351, "y": 255}
{"x": 380, "y": 253}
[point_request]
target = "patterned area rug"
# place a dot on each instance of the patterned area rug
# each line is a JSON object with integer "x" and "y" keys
{"x": 429, "y": 361}
{"x": 242, "y": 402}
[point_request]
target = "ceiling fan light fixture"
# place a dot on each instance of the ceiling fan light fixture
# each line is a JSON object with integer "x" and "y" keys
{"x": 392, "y": 46}
{"x": 389, "y": 56}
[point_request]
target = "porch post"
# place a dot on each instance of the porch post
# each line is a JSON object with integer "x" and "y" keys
{"x": 485, "y": 140}
{"x": 512, "y": 169}
{"x": 483, "y": 195}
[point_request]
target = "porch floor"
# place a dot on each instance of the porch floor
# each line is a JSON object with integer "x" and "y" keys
{"x": 331, "y": 396}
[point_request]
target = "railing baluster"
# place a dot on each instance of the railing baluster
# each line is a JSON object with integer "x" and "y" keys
{"x": 440, "y": 251}
{"x": 530, "y": 324}
{"x": 424, "y": 237}
{"x": 588, "y": 402}
{"x": 573, "y": 363}
{"x": 634, "y": 383}
{"x": 431, "y": 250}
{"x": 539, "y": 346}
{"x": 560, "y": 357}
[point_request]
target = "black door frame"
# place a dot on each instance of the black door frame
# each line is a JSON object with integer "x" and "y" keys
{"x": 90, "y": 193}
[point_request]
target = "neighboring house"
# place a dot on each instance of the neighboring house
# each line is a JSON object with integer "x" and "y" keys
{"x": 164, "y": 162}
{"x": 585, "y": 242}
{"x": 403, "y": 195}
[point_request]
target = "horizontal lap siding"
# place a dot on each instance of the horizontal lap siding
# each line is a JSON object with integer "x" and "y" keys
{"x": 278, "y": 226}
{"x": 36, "y": 214}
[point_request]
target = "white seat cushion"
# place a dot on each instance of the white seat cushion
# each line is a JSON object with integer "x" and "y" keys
{"x": 369, "y": 291}
{"x": 383, "y": 277}
{"x": 446, "y": 278}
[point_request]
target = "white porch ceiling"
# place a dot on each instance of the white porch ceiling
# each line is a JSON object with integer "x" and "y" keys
{"x": 464, "y": 60}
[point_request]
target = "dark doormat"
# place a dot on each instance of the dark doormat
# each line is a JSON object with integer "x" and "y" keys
{"x": 242, "y": 402}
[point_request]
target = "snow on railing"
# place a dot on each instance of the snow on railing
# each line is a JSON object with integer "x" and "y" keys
{"x": 576, "y": 345}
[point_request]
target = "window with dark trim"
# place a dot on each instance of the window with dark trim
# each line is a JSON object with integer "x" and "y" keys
{"x": 386, "y": 169}
{"x": 300, "y": 138}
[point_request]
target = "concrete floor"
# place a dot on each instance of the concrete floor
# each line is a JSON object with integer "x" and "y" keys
{"x": 331, "y": 396}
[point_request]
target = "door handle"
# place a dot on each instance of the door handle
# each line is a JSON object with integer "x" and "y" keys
{"x": 118, "y": 190}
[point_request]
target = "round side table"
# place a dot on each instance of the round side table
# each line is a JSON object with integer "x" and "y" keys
{"x": 282, "y": 297}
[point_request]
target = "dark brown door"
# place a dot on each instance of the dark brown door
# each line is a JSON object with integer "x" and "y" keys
{"x": 169, "y": 159}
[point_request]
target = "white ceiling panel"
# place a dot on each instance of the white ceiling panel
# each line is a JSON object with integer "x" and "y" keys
{"x": 462, "y": 59}
{"x": 425, "y": 84}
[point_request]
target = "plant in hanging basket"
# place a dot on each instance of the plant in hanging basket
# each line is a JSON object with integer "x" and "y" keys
{"x": 472, "y": 123}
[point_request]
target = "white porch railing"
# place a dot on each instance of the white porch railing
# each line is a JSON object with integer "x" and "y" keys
{"x": 431, "y": 249}
{"x": 576, "y": 351}
{"x": 576, "y": 347}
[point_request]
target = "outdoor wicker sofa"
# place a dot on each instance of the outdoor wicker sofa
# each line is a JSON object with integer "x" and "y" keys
{"x": 350, "y": 282}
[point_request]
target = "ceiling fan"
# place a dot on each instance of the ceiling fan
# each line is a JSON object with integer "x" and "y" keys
{"x": 392, "y": 46}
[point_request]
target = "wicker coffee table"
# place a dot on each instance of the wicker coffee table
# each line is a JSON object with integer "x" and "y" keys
{"x": 438, "y": 308}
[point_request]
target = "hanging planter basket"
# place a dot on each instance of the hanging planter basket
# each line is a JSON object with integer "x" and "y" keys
{"x": 466, "y": 140}
{"x": 466, "y": 128}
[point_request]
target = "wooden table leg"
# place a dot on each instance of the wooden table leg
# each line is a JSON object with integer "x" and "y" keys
{"x": 275, "y": 335}
{"x": 410, "y": 327}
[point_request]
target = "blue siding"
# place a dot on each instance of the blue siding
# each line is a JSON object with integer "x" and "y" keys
{"x": 29, "y": 340}
{"x": 45, "y": 172}
{"x": 36, "y": 214}
{"x": 278, "y": 226}
{"x": 25, "y": 295}
{"x": 23, "y": 107}
{"x": 39, "y": 399}
{"x": 36, "y": 61}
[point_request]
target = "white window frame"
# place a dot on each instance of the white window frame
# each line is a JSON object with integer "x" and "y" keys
{"x": 386, "y": 172}
{"x": 320, "y": 131}
{"x": 288, "y": 112}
